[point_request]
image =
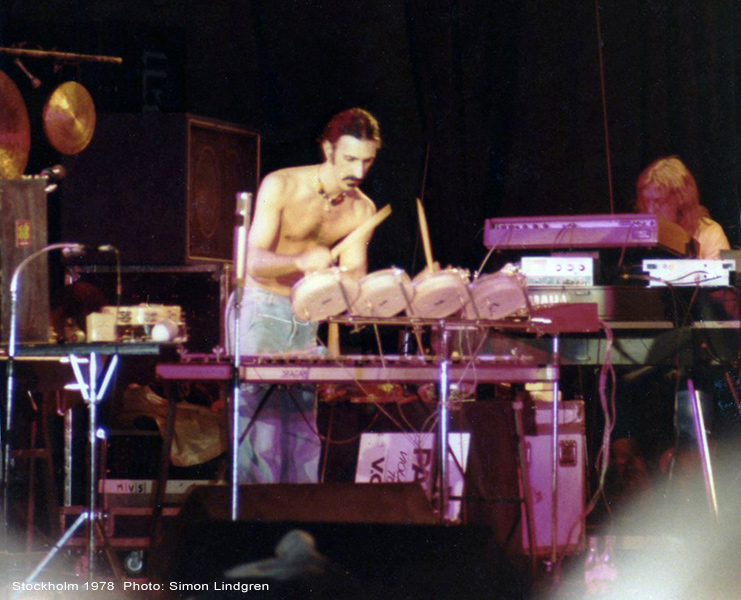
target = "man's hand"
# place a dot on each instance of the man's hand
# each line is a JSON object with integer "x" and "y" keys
{"x": 314, "y": 259}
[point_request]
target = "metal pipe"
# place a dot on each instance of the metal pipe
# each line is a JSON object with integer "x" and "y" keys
{"x": 63, "y": 56}
{"x": 702, "y": 447}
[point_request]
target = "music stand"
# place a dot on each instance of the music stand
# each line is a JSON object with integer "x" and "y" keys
{"x": 92, "y": 395}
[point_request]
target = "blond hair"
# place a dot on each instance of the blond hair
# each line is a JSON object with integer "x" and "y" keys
{"x": 677, "y": 188}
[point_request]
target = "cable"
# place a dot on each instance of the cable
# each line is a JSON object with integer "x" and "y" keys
{"x": 604, "y": 105}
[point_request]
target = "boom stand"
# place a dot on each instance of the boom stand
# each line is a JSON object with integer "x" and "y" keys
{"x": 15, "y": 284}
{"x": 556, "y": 359}
{"x": 702, "y": 447}
{"x": 243, "y": 212}
{"x": 92, "y": 395}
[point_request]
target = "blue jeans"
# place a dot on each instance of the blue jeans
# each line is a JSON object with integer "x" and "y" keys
{"x": 282, "y": 445}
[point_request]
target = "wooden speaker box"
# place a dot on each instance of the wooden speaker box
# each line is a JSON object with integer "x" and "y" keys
{"x": 23, "y": 229}
{"x": 159, "y": 187}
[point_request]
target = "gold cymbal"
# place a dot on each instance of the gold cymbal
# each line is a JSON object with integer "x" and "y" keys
{"x": 69, "y": 118}
{"x": 15, "y": 130}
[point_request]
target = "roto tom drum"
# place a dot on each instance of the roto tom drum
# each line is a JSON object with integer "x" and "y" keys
{"x": 384, "y": 294}
{"x": 496, "y": 296}
{"x": 439, "y": 294}
{"x": 323, "y": 294}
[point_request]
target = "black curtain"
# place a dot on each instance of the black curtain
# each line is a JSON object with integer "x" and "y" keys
{"x": 492, "y": 108}
{"x": 510, "y": 95}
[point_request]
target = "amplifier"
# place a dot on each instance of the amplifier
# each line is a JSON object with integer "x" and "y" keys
{"x": 141, "y": 323}
{"x": 689, "y": 272}
{"x": 558, "y": 270}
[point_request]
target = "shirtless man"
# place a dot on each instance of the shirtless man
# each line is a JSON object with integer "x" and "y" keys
{"x": 299, "y": 214}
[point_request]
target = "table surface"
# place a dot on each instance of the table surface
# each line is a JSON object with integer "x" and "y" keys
{"x": 55, "y": 351}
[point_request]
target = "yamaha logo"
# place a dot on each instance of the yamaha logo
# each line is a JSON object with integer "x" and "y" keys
{"x": 549, "y": 298}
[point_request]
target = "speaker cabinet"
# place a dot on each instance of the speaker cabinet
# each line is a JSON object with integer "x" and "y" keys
{"x": 23, "y": 231}
{"x": 329, "y": 502}
{"x": 377, "y": 544}
{"x": 159, "y": 187}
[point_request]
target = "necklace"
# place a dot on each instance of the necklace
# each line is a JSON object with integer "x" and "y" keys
{"x": 328, "y": 202}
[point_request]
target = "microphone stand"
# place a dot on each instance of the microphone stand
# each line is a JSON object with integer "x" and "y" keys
{"x": 244, "y": 205}
{"x": 91, "y": 393}
{"x": 10, "y": 373}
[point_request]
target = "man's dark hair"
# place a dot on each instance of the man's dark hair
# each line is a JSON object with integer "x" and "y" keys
{"x": 356, "y": 122}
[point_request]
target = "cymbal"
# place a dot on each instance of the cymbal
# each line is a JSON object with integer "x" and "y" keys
{"x": 69, "y": 118}
{"x": 15, "y": 130}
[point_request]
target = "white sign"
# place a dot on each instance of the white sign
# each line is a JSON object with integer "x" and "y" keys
{"x": 408, "y": 457}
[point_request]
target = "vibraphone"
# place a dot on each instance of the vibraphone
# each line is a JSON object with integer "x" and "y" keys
{"x": 292, "y": 369}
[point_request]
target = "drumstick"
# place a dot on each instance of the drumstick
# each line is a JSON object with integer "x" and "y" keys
{"x": 360, "y": 231}
{"x": 333, "y": 340}
{"x": 425, "y": 235}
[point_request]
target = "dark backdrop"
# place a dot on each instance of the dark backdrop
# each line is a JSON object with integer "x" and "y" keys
{"x": 499, "y": 103}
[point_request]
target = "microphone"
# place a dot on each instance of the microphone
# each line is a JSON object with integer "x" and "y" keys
{"x": 53, "y": 175}
{"x": 35, "y": 81}
{"x": 243, "y": 215}
{"x": 73, "y": 250}
{"x": 119, "y": 287}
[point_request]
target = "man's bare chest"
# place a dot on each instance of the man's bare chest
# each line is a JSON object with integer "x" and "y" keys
{"x": 314, "y": 224}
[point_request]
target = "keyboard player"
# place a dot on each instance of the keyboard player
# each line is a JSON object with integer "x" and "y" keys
{"x": 644, "y": 423}
{"x": 667, "y": 189}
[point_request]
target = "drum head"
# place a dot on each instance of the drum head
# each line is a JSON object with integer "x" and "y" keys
{"x": 496, "y": 296}
{"x": 319, "y": 295}
{"x": 439, "y": 294}
{"x": 382, "y": 294}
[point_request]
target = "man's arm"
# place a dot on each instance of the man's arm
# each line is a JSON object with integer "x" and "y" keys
{"x": 262, "y": 260}
{"x": 355, "y": 257}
